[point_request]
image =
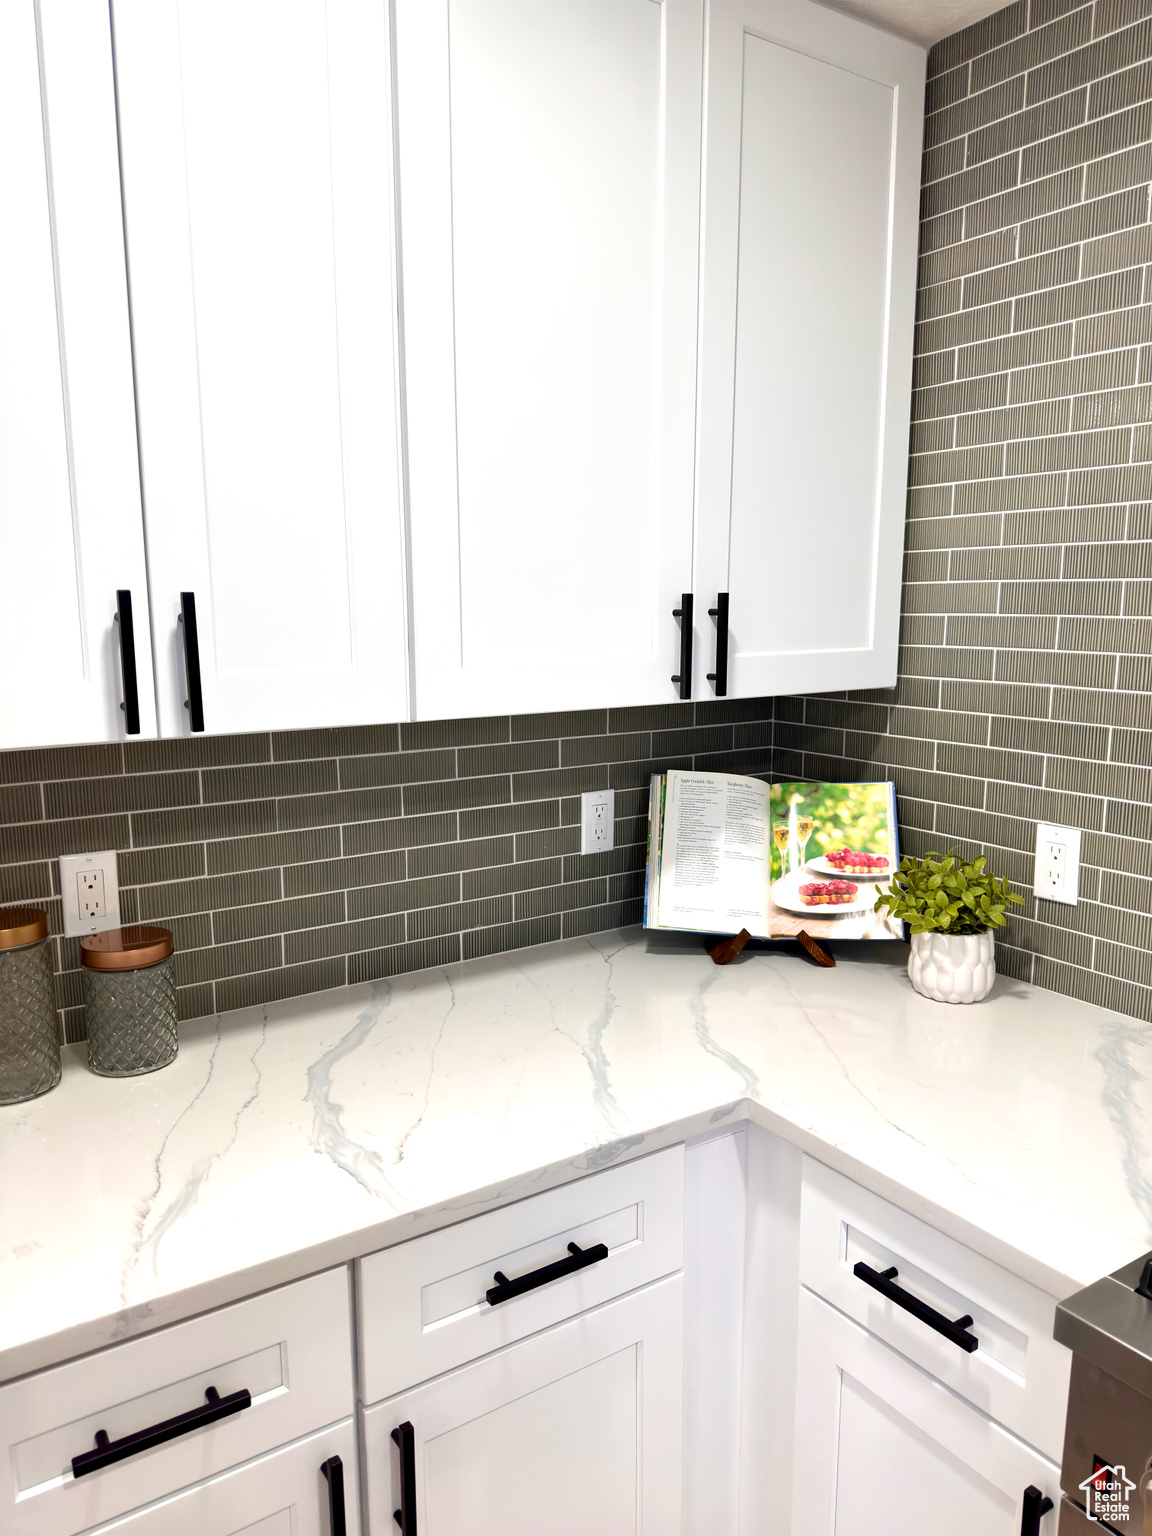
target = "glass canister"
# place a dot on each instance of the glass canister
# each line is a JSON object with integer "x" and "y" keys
{"x": 129, "y": 1000}
{"x": 29, "y": 1025}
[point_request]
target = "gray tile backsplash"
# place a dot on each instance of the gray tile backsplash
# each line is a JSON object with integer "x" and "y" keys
{"x": 300, "y": 860}
{"x": 1026, "y": 653}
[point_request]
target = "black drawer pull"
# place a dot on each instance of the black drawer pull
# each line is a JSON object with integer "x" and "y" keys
{"x": 405, "y": 1517}
{"x": 683, "y": 678}
{"x": 720, "y": 676}
{"x": 194, "y": 703}
{"x": 954, "y": 1332}
{"x": 333, "y": 1470}
{"x": 131, "y": 704}
{"x": 505, "y": 1289}
{"x": 107, "y": 1451}
{"x": 1034, "y": 1508}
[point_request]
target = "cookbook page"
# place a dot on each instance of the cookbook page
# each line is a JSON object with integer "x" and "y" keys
{"x": 714, "y": 854}
{"x": 834, "y": 848}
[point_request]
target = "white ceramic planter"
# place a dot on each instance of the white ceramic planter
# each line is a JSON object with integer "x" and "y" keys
{"x": 953, "y": 968}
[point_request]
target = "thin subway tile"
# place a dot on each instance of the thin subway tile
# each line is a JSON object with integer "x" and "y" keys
{"x": 396, "y": 768}
{"x": 338, "y": 741}
{"x": 136, "y": 792}
{"x": 1083, "y": 221}
{"x": 42, "y": 763}
{"x": 404, "y": 896}
{"x": 1075, "y": 301}
{"x": 491, "y": 941}
{"x": 421, "y": 735}
{"x": 262, "y": 852}
{"x": 397, "y": 959}
{"x": 1129, "y": 248}
{"x": 1103, "y": 136}
{"x": 940, "y": 264}
{"x": 22, "y": 802}
{"x": 191, "y": 752}
{"x": 295, "y": 813}
{"x": 399, "y": 832}
{"x": 344, "y": 874}
{"x": 507, "y": 757}
{"x": 429, "y": 922}
{"x": 207, "y": 895}
{"x": 342, "y": 939}
{"x": 1048, "y": 270}
{"x": 1133, "y": 168}
{"x": 446, "y": 858}
{"x": 978, "y": 38}
{"x": 1032, "y": 201}
{"x": 1032, "y": 49}
{"x": 250, "y": 922}
{"x": 267, "y": 781}
{"x": 271, "y": 986}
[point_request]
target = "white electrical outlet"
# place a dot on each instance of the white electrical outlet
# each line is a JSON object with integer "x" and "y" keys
{"x": 1057, "y": 863}
{"x": 597, "y": 820}
{"x": 90, "y": 893}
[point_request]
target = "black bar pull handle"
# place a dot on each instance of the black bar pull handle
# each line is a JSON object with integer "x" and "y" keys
{"x": 107, "y": 1451}
{"x": 505, "y": 1289}
{"x": 131, "y": 704}
{"x": 954, "y": 1332}
{"x": 333, "y": 1470}
{"x": 684, "y": 676}
{"x": 1036, "y": 1506}
{"x": 405, "y": 1517}
{"x": 194, "y": 703}
{"x": 720, "y": 676}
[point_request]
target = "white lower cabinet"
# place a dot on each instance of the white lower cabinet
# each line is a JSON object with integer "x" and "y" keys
{"x": 573, "y": 1432}
{"x": 287, "y": 1352}
{"x": 286, "y": 1493}
{"x": 885, "y": 1449}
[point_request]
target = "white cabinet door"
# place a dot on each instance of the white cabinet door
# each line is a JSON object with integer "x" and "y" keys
{"x": 256, "y": 149}
{"x": 884, "y": 1449}
{"x": 282, "y": 1494}
{"x": 812, "y": 174}
{"x": 549, "y": 159}
{"x": 574, "y": 1432}
{"x": 70, "y": 525}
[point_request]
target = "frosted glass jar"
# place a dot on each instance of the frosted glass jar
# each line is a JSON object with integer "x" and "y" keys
{"x": 29, "y": 1024}
{"x": 129, "y": 1001}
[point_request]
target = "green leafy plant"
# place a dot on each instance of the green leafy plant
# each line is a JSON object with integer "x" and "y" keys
{"x": 942, "y": 894}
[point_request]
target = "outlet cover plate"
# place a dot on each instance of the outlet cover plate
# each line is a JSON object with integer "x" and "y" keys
{"x": 72, "y": 866}
{"x": 597, "y": 820}
{"x": 1057, "y": 875}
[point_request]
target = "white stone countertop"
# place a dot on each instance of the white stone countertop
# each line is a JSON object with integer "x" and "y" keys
{"x": 297, "y": 1135}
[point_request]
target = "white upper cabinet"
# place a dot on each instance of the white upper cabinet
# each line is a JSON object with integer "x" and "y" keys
{"x": 257, "y": 154}
{"x": 813, "y": 126}
{"x": 71, "y": 536}
{"x": 549, "y": 158}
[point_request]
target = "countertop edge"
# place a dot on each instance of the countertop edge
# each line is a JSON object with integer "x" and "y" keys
{"x": 97, "y": 1334}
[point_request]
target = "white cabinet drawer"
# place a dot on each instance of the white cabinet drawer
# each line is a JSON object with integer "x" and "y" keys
{"x": 291, "y": 1348}
{"x": 575, "y": 1432}
{"x": 882, "y": 1447}
{"x": 282, "y": 1494}
{"x": 422, "y": 1304}
{"x": 1018, "y": 1373}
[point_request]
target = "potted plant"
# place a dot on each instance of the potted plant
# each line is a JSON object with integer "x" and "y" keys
{"x": 951, "y": 908}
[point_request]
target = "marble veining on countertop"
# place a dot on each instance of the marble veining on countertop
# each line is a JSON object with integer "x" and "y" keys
{"x": 299, "y": 1134}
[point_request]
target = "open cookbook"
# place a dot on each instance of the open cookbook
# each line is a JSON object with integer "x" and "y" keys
{"x": 727, "y": 852}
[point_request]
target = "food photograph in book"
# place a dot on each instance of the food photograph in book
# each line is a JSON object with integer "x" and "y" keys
{"x": 834, "y": 848}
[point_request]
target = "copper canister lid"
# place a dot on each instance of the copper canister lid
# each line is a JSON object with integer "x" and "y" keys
{"x": 22, "y": 925}
{"x": 125, "y": 949}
